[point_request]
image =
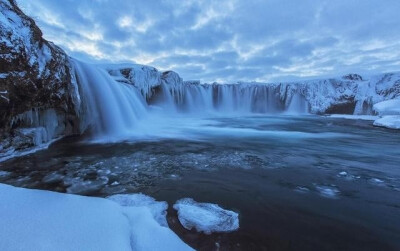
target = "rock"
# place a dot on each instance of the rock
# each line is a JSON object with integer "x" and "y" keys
{"x": 354, "y": 77}
{"x": 36, "y": 83}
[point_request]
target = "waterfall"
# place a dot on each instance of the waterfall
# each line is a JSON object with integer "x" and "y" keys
{"x": 298, "y": 105}
{"x": 111, "y": 109}
{"x": 229, "y": 99}
{"x": 114, "y": 110}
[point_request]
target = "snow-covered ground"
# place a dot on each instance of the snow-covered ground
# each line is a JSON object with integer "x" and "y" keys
{"x": 41, "y": 220}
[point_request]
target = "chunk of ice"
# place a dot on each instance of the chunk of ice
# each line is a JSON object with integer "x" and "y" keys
{"x": 205, "y": 217}
{"x": 328, "y": 191}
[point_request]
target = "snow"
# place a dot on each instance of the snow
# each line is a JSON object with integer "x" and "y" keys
{"x": 42, "y": 220}
{"x": 390, "y": 121}
{"x": 158, "y": 209}
{"x": 356, "y": 117}
{"x": 388, "y": 107}
{"x": 142, "y": 76}
{"x": 205, "y": 217}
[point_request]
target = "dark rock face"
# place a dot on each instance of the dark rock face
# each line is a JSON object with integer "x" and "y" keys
{"x": 354, "y": 77}
{"x": 347, "y": 107}
{"x": 35, "y": 78}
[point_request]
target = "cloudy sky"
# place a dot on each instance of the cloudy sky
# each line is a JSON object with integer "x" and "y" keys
{"x": 229, "y": 40}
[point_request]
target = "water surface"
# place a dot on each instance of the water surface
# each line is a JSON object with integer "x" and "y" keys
{"x": 298, "y": 183}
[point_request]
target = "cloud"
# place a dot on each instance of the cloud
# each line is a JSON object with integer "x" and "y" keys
{"x": 228, "y": 40}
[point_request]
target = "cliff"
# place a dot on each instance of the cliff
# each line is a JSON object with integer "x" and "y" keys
{"x": 38, "y": 98}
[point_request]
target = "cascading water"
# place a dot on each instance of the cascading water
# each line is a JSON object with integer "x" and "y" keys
{"x": 115, "y": 110}
{"x": 298, "y": 105}
{"x": 230, "y": 99}
{"x": 111, "y": 109}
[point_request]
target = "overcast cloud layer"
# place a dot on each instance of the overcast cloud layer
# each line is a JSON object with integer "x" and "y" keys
{"x": 261, "y": 40}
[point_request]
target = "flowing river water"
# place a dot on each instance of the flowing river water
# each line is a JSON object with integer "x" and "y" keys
{"x": 297, "y": 182}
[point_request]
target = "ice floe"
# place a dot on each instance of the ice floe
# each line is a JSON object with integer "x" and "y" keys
{"x": 206, "y": 217}
{"x": 328, "y": 191}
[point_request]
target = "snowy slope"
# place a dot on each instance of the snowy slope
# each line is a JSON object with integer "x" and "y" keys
{"x": 41, "y": 220}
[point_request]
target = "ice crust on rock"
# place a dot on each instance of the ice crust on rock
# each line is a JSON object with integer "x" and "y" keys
{"x": 42, "y": 220}
{"x": 205, "y": 217}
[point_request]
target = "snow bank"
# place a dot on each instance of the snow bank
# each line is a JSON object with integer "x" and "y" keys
{"x": 42, "y": 220}
{"x": 392, "y": 122}
{"x": 355, "y": 117}
{"x": 157, "y": 208}
{"x": 388, "y": 107}
{"x": 205, "y": 217}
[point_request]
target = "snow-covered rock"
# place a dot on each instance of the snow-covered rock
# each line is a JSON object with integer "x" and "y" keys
{"x": 390, "y": 111}
{"x": 145, "y": 78}
{"x": 348, "y": 95}
{"x": 42, "y": 220}
{"x": 206, "y": 217}
{"x": 36, "y": 84}
{"x": 388, "y": 107}
{"x": 389, "y": 121}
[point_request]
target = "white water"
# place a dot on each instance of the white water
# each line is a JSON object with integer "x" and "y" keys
{"x": 298, "y": 105}
{"x": 113, "y": 110}
{"x": 229, "y": 99}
